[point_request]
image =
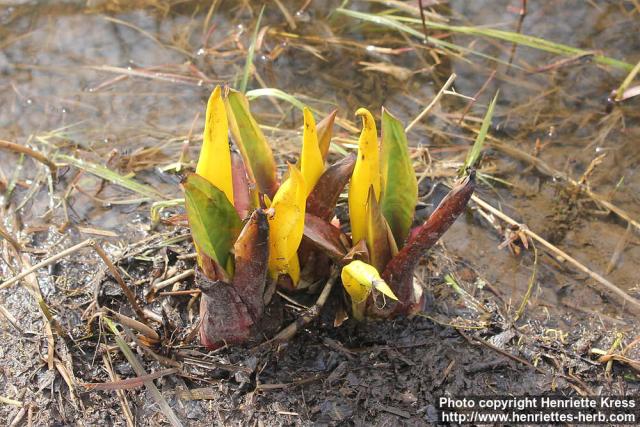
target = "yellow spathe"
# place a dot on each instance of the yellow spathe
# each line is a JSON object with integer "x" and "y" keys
{"x": 366, "y": 174}
{"x": 214, "y": 163}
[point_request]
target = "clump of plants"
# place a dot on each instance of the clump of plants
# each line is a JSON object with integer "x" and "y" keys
{"x": 254, "y": 231}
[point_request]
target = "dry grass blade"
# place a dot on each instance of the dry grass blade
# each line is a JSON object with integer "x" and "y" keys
{"x": 620, "y": 92}
{"x": 532, "y": 282}
{"x": 116, "y": 275}
{"x": 12, "y": 402}
{"x": 252, "y": 48}
{"x": 140, "y": 371}
{"x": 12, "y": 146}
{"x": 45, "y": 263}
{"x": 128, "y": 415}
{"x": 634, "y": 304}
{"x": 521, "y": 39}
{"x": 433, "y": 102}
{"x": 129, "y": 383}
{"x": 9, "y": 238}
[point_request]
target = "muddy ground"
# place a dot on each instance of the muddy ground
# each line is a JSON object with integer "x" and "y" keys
{"x": 95, "y": 84}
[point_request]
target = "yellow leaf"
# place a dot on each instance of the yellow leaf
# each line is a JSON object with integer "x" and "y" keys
{"x": 311, "y": 162}
{"x": 214, "y": 163}
{"x": 286, "y": 225}
{"x": 366, "y": 174}
{"x": 358, "y": 278}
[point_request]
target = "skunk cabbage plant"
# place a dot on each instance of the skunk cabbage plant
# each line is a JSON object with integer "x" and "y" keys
{"x": 253, "y": 231}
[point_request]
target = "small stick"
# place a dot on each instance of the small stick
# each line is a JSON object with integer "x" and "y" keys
{"x": 129, "y": 383}
{"x": 183, "y": 292}
{"x": 634, "y": 303}
{"x": 174, "y": 279}
{"x": 116, "y": 274}
{"x": 476, "y": 96}
{"x": 310, "y": 314}
{"x": 12, "y": 146}
{"x": 13, "y": 402}
{"x": 112, "y": 268}
{"x": 45, "y": 263}
{"x": 9, "y": 238}
{"x": 433, "y": 102}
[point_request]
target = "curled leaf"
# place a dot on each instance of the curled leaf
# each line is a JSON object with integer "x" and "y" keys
{"x": 311, "y": 161}
{"x": 380, "y": 241}
{"x": 366, "y": 174}
{"x": 251, "y": 262}
{"x": 256, "y": 153}
{"x": 214, "y": 222}
{"x": 324, "y": 237}
{"x": 233, "y": 312}
{"x": 243, "y": 200}
{"x": 325, "y": 132}
{"x": 286, "y": 226}
{"x": 358, "y": 279}
{"x": 214, "y": 163}
{"x": 400, "y": 186}
{"x": 399, "y": 271}
{"x": 322, "y": 200}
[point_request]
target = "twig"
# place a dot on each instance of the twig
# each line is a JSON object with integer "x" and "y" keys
{"x": 544, "y": 168}
{"x": 433, "y": 102}
{"x": 140, "y": 371}
{"x": 129, "y": 383}
{"x": 116, "y": 275}
{"x": 45, "y": 263}
{"x": 112, "y": 268}
{"x": 160, "y": 285}
{"x": 287, "y": 14}
{"x": 31, "y": 153}
{"x": 634, "y": 303}
{"x": 106, "y": 358}
{"x": 13, "y": 402}
{"x": 471, "y": 338}
{"x": 310, "y": 314}
{"x": 476, "y": 96}
{"x": 532, "y": 282}
{"x": 9, "y": 238}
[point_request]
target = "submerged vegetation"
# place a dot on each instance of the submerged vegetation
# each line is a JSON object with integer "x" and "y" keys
{"x": 181, "y": 242}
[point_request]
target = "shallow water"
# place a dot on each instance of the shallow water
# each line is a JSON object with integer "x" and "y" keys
{"x": 127, "y": 89}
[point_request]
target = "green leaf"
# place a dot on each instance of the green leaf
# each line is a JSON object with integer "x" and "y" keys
{"x": 275, "y": 93}
{"x": 474, "y": 153}
{"x": 256, "y": 153}
{"x": 111, "y": 176}
{"x": 215, "y": 224}
{"x": 397, "y": 22}
{"x": 400, "y": 187}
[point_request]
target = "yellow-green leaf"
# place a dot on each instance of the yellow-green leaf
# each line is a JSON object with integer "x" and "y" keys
{"x": 286, "y": 226}
{"x": 358, "y": 279}
{"x": 311, "y": 163}
{"x": 366, "y": 174}
{"x": 256, "y": 153}
{"x": 400, "y": 186}
{"x": 380, "y": 241}
{"x": 325, "y": 132}
{"x": 215, "y": 224}
{"x": 214, "y": 163}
